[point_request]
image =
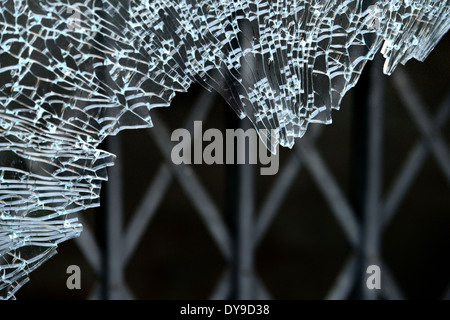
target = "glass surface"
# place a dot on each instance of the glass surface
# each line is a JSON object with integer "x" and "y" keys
{"x": 74, "y": 72}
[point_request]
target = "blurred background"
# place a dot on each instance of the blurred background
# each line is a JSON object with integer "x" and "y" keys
{"x": 372, "y": 188}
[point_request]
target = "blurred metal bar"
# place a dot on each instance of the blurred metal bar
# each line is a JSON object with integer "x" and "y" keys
{"x": 371, "y": 224}
{"x": 245, "y": 225}
{"x": 413, "y": 103}
{"x": 194, "y": 189}
{"x": 359, "y": 172}
{"x": 345, "y": 281}
{"x": 115, "y": 286}
{"x": 389, "y": 286}
{"x": 330, "y": 189}
{"x": 232, "y": 209}
{"x": 147, "y": 208}
{"x": 89, "y": 248}
{"x": 242, "y": 176}
{"x": 280, "y": 189}
{"x": 222, "y": 290}
{"x": 276, "y": 196}
{"x": 412, "y": 165}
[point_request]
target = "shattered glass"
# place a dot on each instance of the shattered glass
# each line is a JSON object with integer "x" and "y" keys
{"x": 73, "y": 72}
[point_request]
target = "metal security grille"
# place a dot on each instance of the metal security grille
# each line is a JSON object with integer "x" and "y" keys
{"x": 363, "y": 223}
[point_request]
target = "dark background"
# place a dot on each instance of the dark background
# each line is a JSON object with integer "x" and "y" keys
{"x": 305, "y": 248}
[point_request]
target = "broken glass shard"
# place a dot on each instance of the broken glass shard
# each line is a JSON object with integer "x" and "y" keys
{"x": 75, "y": 71}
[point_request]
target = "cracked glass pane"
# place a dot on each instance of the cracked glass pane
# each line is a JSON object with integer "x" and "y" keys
{"x": 73, "y": 72}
